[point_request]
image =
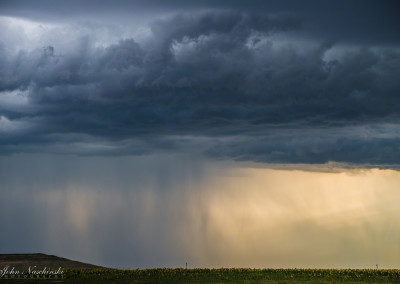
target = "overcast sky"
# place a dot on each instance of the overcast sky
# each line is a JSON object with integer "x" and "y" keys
{"x": 159, "y": 111}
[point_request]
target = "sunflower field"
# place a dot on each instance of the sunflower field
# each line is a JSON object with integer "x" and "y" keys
{"x": 238, "y": 274}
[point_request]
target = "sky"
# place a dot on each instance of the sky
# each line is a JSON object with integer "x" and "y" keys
{"x": 218, "y": 133}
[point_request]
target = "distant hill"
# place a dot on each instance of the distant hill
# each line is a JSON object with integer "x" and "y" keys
{"x": 40, "y": 260}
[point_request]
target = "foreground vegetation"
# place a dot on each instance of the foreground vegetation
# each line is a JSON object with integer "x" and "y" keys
{"x": 239, "y": 274}
{"x": 222, "y": 275}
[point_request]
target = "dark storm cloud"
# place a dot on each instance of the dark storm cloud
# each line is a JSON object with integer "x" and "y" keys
{"x": 315, "y": 147}
{"x": 368, "y": 21}
{"x": 242, "y": 85}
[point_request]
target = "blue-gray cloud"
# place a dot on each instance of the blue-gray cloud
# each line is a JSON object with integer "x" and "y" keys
{"x": 228, "y": 84}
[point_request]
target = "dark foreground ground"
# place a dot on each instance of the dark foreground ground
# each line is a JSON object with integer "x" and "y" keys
{"x": 180, "y": 282}
{"x": 223, "y": 275}
{"x": 78, "y": 272}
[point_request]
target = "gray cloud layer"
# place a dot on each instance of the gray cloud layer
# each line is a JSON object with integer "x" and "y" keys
{"x": 237, "y": 85}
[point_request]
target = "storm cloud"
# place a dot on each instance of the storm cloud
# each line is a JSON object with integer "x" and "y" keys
{"x": 223, "y": 82}
{"x": 215, "y": 133}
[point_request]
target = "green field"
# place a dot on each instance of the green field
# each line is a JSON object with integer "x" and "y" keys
{"x": 224, "y": 275}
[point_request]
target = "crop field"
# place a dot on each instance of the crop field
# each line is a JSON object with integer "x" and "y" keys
{"x": 240, "y": 274}
{"x": 224, "y": 275}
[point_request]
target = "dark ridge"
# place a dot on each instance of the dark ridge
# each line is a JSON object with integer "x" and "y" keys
{"x": 40, "y": 260}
